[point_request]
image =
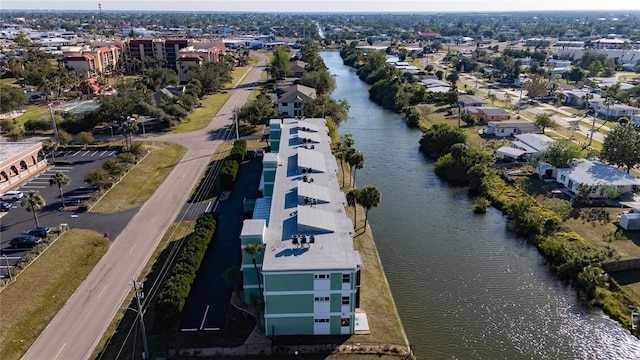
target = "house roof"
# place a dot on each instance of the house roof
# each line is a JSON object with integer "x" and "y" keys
{"x": 510, "y": 152}
{"x": 470, "y": 99}
{"x": 492, "y": 111}
{"x": 298, "y": 66}
{"x": 296, "y": 91}
{"x": 537, "y": 142}
{"x": 594, "y": 173}
{"x": 512, "y": 124}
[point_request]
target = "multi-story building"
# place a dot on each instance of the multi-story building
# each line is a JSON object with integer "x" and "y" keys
{"x": 308, "y": 270}
{"x": 90, "y": 60}
{"x": 197, "y": 54}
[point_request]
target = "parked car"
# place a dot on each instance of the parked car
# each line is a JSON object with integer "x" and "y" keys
{"x": 21, "y": 241}
{"x": 5, "y": 206}
{"x": 11, "y": 196}
{"x": 41, "y": 231}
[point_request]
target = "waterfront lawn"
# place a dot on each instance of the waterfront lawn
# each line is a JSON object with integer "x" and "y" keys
{"x": 34, "y": 298}
{"x": 151, "y": 172}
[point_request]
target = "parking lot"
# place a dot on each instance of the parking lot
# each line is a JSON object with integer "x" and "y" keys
{"x": 17, "y": 219}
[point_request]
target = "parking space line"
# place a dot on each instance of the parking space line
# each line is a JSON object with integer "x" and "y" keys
{"x": 94, "y": 153}
{"x": 88, "y": 151}
{"x": 76, "y": 153}
{"x": 211, "y": 329}
{"x": 204, "y": 317}
{"x": 112, "y": 153}
{"x": 27, "y": 186}
{"x": 189, "y": 330}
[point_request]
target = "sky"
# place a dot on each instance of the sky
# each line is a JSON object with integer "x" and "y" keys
{"x": 323, "y": 5}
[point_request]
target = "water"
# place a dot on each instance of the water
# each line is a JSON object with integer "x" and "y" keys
{"x": 465, "y": 288}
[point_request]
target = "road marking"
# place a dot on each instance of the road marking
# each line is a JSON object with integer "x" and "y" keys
{"x": 94, "y": 154}
{"x": 112, "y": 153}
{"x": 33, "y": 187}
{"x": 211, "y": 329}
{"x": 133, "y": 247}
{"x": 76, "y": 153}
{"x": 104, "y": 152}
{"x": 59, "y": 351}
{"x": 186, "y": 330}
{"x": 216, "y": 206}
{"x": 208, "y": 206}
{"x": 204, "y": 317}
{"x": 103, "y": 289}
{"x": 88, "y": 151}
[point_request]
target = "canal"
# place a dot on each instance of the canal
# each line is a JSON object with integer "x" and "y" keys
{"x": 465, "y": 288}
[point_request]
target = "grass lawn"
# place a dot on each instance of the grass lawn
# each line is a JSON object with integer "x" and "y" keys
{"x": 29, "y": 303}
{"x": 10, "y": 81}
{"x": 151, "y": 172}
{"x": 202, "y": 116}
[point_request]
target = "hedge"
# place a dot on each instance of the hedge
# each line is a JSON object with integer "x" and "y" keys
{"x": 175, "y": 291}
{"x": 232, "y": 163}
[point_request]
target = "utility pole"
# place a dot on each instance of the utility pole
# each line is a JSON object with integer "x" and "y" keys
{"x": 235, "y": 120}
{"x": 53, "y": 123}
{"x": 137, "y": 289}
{"x": 6, "y": 259}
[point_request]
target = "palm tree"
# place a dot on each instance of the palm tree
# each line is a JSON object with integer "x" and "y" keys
{"x": 32, "y": 203}
{"x": 608, "y": 101}
{"x": 492, "y": 97}
{"x": 254, "y": 249}
{"x": 356, "y": 161}
{"x": 59, "y": 179}
{"x": 51, "y": 147}
{"x": 233, "y": 276}
{"x": 352, "y": 200}
{"x": 341, "y": 157}
{"x": 369, "y": 197}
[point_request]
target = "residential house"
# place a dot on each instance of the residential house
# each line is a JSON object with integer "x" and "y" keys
{"x": 532, "y": 144}
{"x": 577, "y": 98}
{"x": 309, "y": 269}
{"x": 428, "y": 36}
{"x": 486, "y": 114}
{"x": 510, "y": 128}
{"x": 465, "y": 101}
{"x": 298, "y": 68}
{"x": 603, "y": 179}
{"x": 290, "y": 101}
{"x": 168, "y": 93}
{"x": 616, "y": 111}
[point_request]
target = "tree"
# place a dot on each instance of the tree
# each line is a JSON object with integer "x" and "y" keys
{"x": 64, "y": 138}
{"x": 84, "y": 138}
{"x": 233, "y": 276}
{"x": 608, "y": 101}
{"x": 51, "y": 147}
{"x": 561, "y": 153}
{"x": 352, "y": 200}
{"x": 453, "y": 78}
{"x": 128, "y": 128}
{"x": 32, "y": 203}
{"x": 492, "y": 97}
{"x": 260, "y": 110}
{"x": 58, "y": 180}
{"x": 544, "y": 120}
{"x": 99, "y": 178}
{"x": 536, "y": 87}
{"x": 369, "y": 197}
{"x": 157, "y": 78}
{"x": 11, "y": 98}
{"x": 356, "y": 161}
{"x": 212, "y": 76}
{"x": 280, "y": 65}
{"x": 320, "y": 80}
{"x": 438, "y": 139}
{"x": 621, "y": 147}
{"x": 254, "y": 249}
{"x": 574, "y": 126}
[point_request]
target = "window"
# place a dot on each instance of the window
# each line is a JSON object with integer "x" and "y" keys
{"x": 346, "y": 278}
{"x": 321, "y": 298}
{"x": 321, "y": 320}
{"x": 345, "y": 322}
{"x": 501, "y": 130}
{"x": 345, "y": 300}
{"x": 285, "y": 104}
{"x": 321, "y": 276}
{"x": 562, "y": 177}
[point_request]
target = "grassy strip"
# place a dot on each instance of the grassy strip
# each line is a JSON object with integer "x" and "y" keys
{"x": 209, "y": 184}
{"x": 29, "y": 304}
{"x": 151, "y": 172}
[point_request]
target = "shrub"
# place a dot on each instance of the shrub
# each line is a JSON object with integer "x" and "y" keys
{"x": 481, "y": 205}
{"x": 127, "y": 158}
{"x": 33, "y": 125}
{"x": 114, "y": 168}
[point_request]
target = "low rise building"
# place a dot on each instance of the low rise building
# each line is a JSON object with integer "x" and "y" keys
{"x": 309, "y": 268}
{"x": 510, "y": 128}
{"x": 19, "y": 163}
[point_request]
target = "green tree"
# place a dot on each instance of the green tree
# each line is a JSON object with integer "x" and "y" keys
{"x": 84, "y": 138}
{"x": 64, "y": 138}
{"x": 492, "y": 97}
{"x": 369, "y": 197}
{"x": 574, "y": 126}
{"x": 259, "y": 111}
{"x": 438, "y": 139}
{"x": 33, "y": 202}
{"x": 212, "y": 76}
{"x": 544, "y": 120}
{"x": 356, "y": 161}
{"x": 99, "y": 178}
{"x": 608, "y": 101}
{"x": 255, "y": 249}
{"x": 320, "y": 80}
{"x": 51, "y": 147}
{"x": 352, "y": 200}
{"x": 11, "y": 98}
{"x": 157, "y": 78}
{"x": 280, "y": 66}
{"x": 536, "y": 87}
{"x": 621, "y": 147}
{"x": 560, "y": 153}
{"x": 59, "y": 179}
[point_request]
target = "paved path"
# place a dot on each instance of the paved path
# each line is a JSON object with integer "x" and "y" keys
{"x": 76, "y": 329}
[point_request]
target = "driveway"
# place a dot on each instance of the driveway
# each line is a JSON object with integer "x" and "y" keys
{"x": 76, "y": 329}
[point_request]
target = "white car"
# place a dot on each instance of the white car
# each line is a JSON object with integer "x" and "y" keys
{"x": 11, "y": 196}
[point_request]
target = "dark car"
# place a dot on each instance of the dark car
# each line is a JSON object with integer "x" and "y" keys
{"x": 40, "y": 232}
{"x": 5, "y": 206}
{"x": 22, "y": 241}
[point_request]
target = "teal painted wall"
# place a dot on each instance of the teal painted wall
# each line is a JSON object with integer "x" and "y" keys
{"x": 268, "y": 190}
{"x": 248, "y": 293}
{"x": 246, "y": 258}
{"x": 334, "y": 323}
{"x": 288, "y": 282}
{"x": 249, "y": 240}
{"x": 285, "y": 304}
{"x": 269, "y": 176}
{"x": 289, "y": 326}
{"x": 336, "y": 302}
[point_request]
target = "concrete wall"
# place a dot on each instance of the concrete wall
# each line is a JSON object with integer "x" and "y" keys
{"x": 622, "y": 265}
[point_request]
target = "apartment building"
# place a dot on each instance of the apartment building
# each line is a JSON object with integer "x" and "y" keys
{"x": 197, "y": 54}
{"x": 90, "y": 60}
{"x": 309, "y": 271}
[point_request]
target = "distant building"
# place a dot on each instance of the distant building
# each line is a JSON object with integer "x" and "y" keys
{"x": 428, "y": 36}
{"x": 487, "y": 114}
{"x": 602, "y": 178}
{"x": 510, "y": 128}
{"x": 91, "y": 61}
{"x": 290, "y": 101}
{"x": 197, "y": 54}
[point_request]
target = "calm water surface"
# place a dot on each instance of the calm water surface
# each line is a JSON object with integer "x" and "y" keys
{"x": 465, "y": 288}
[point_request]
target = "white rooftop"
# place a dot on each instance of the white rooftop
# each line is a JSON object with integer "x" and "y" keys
{"x": 291, "y": 216}
{"x": 594, "y": 172}
{"x": 537, "y": 142}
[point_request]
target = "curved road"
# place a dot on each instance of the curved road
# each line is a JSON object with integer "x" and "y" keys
{"x": 75, "y": 331}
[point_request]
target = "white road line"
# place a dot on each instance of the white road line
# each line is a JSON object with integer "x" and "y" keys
{"x": 86, "y": 152}
{"x": 59, "y": 351}
{"x": 12, "y": 257}
{"x": 211, "y": 329}
{"x": 94, "y": 154}
{"x": 112, "y": 153}
{"x": 216, "y": 206}
{"x": 27, "y": 186}
{"x": 204, "y": 317}
{"x": 104, "y": 152}
{"x": 76, "y": 153}
{"x": 188, "y": 330}
{"x": 208, "y": 206}
{"x": 101, "y": 292}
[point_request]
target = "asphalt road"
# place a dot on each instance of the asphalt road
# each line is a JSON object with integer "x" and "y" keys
{"x": 76, "y": 329}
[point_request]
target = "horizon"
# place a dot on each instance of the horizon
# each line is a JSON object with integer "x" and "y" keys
{"x": 312, "y": 6}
